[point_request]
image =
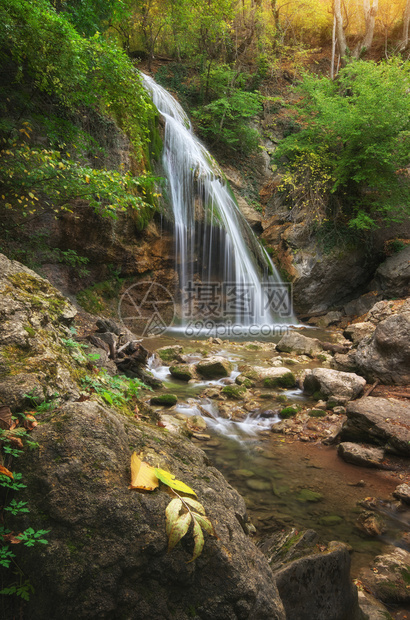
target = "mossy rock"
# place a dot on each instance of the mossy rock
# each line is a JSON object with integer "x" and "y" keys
{"x": 234, "y": 391}
{"x": 166, "y": 400}
{"x": 331, "y": 520}
{"x": 282, "y": 398}
{"x": 181, "y": 372}
{"x": 169, "y": 354}
{"x": 288, "y": 412}
{"x": 285, "y": 381}
{"x": 244, "y": 381}
{"x": 306, "y": 495}
{"x": 317, "y": 413}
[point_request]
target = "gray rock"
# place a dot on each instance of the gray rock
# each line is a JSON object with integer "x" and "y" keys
{"x": 107, "y": 553}
{"x": 361, "y": 305}
{"x": 214, "y": 367}
{"x": 388, "y": 577}
{"x": 333, "y": 385}
{"x": 322, "y": 582}
{"x": 346, "y": 362}
{"x": 293, "y": 342}
{"x": 387, "y": 355}
{"x": 381, "y": 421}
{"x": 372, "y": 608}
{"x": 357, "y": 331}
{"x": 361, "y": 455}
{"x": 402, "y": 491}
{"x": 393, "y": 276}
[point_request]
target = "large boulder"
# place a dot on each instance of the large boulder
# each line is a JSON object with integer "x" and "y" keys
{"x": 333, "y": 385}
{"x": 392, "y": 277}
{"x": 272, "y": 377}
{"x": 107, "y": 553}
{"x": 386, "y": 356}
{"x": 361, "y": 455}
{"x": 214, "y": 367}
{"x": 388, "y": 577}
{"x": 293, "y": 342}
{"x": 321, "y": 579}
{"x": 379, "y": 421}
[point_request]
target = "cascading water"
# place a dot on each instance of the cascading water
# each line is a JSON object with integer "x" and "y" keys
{"x": 223, "y": 271}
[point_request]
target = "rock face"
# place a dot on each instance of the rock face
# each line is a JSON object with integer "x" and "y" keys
{"x": 389, "y": 576}
{"x": 393, "y": 276}
{"x": 387, "y": 355}
{"x": 381, "y": 421}
{"x": 107, "y": 555}
{"x": 334, "y": 385}
{"x": 360, "y": 455}
{"x": 320, "y": 579}
{"x": 34, "y": 316}
{"x": 292, "y": 342}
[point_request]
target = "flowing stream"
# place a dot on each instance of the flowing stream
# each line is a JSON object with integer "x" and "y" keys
{"x": 224, "y": 273}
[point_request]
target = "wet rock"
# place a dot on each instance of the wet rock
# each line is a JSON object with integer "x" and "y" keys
{"x": 361, "y": 455}
{"x": 170, "y": 354}
{"x": 334, "y": 385}
{"x": 371, "y": 524}
{"x": 389, "y": 576}
{"x": 402, "y": 492}
{"x": 234, "y": 391}
{"x": 270, "y": 377}
{"x": 164, "y": 400}
{"x": 214, "y": 367}
{"x": 306, "y": 495}
{"x": 183, "y": 372}
{"x": 392, "y": 277}
{"x": 381, "y": 421}
{"x": 357, "y": 331}
{"x": 196, "y": 424}
{"x": 387, "y": 355}
{"x": 372, "y": 608}
{"x": 293, "y": 342}
{"x": 322, "y": 581}
{"x": 256, "y": 484}
{"x": 107, "y": 555}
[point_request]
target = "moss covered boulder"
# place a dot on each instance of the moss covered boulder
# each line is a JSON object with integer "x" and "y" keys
{"x": 215, "y": 367}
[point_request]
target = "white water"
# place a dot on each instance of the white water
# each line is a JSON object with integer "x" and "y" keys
{"x": 210, "y": 230}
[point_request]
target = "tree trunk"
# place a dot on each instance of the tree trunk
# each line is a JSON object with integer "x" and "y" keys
{"x": 370, "y": 12}
{"x": 406, "y": 22}
{"x": 340, "y": 33}
{"x": 334, "y": 41}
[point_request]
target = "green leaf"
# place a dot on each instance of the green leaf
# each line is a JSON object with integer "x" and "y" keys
{"x": 169, "y": 480}
{"x": 172, "y": 512}
{"x": 194, "y": 504}
{"x": 206, "y": 524}
{"x": 199, "y": 541}
{"x": 107, "y": 397}
{"x": 179, "y": 530}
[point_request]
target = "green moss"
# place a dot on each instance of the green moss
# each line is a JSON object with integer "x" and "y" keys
{"x": 244, "y": 381}
{"x": 317, "y": 413}
{"x": 169, "y": 354}
{"x": 181, "y": 372}
{"x": 234, "y": 391}
{"x": 405, "y": 573}
{"x": 285, "y": 381}
{"x": 166, "y": 400}
{"x": 31, "y": 332}
{"x": 306, "y": 495}
{"x": 288, "y": 412}
{"x": 329, "y": 520}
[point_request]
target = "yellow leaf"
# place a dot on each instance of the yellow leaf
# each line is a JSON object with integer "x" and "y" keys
{"x": 87, "y": 179}
{"x": 143, "y": 475}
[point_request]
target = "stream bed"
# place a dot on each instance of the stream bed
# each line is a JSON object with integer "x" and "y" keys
{"x": 286, "y": 482}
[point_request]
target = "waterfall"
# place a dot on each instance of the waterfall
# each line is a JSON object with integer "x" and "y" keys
{"x": 225, "y": 275}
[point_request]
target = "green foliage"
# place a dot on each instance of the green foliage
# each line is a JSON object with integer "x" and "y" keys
{"x": 115, "y": 391}
{"x": 29, "y": 537}
{"x": 223, "y": 121}
{"x": 349, "y": 161}
{"x": 49, "y": 61}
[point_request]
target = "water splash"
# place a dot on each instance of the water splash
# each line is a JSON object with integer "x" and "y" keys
{"x": 214, "y": 244}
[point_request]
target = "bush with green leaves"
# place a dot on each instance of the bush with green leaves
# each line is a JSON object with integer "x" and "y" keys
{"x": 51, "y": 66}
{"x": 349, "y": 162}
{"x": 225, "y": 119}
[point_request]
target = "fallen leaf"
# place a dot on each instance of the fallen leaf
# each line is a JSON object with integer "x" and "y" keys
{"x": 30, "y": 422}
{"x": 6, "y": 472}
{"x": 5, "y": 417}
{"x": 199, "y": 541}
{"x": 194, "y": 504}
{"x": 15, "y": 442}
{"x": 206, "y": 524}
{"x": 172, "y": 513}
{"x": 11, "y": 538}
{"x": 143, "y": 476}
{"x": 169, "y": 480}
{"x": 179, "y": 530}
